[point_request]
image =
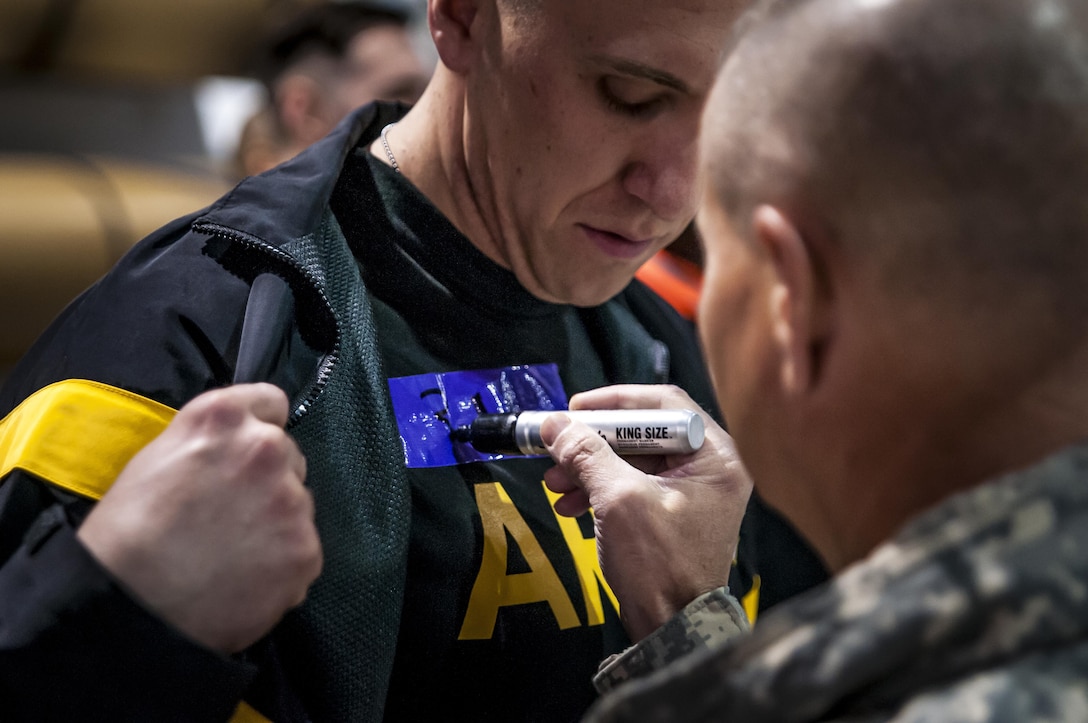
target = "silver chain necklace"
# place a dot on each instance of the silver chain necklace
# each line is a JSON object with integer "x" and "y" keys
{"x": 388, "y": 150}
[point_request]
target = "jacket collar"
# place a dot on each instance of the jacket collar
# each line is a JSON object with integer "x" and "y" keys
{"x": 289, "y": 201}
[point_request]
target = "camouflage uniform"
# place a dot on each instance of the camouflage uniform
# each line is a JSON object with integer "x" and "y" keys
{"x": 977, "y": 610}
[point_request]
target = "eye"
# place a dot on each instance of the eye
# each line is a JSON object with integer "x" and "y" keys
{"x": 630, "y": 96}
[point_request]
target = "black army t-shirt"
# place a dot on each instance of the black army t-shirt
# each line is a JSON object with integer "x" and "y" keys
{"x": 505, "y": 615}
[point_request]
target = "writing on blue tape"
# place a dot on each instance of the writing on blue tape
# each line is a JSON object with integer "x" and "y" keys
{"x": 429, "y": 406}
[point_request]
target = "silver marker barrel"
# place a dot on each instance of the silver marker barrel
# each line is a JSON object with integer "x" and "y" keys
{"x": 628, "y": 431}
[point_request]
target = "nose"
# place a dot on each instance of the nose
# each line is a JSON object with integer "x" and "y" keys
{"x": 662, "y": 172}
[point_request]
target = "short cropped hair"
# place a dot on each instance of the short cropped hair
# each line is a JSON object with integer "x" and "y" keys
{"x": 950, "y": 136}
{"x": 322, "y": 29}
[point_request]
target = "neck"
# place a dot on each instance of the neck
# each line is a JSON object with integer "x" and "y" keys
{"x": 952, "y": 441}
{"x": 430, "y": 147}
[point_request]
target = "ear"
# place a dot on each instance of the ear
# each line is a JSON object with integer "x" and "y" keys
{"x": 450, "y": 22}
{"x": 298, "y": 104}
{"x": 801, "y": 312}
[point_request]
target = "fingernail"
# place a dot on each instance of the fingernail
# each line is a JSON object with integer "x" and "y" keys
{"x": 552, "y": 426}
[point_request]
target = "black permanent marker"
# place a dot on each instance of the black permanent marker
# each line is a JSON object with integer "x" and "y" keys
{"x": 628, "y": 431}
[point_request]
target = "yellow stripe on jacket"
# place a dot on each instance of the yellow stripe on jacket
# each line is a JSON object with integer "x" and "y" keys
{"x": 78, "y": 434}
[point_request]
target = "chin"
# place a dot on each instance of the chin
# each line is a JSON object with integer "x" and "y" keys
{"x": 581, "y": 294}
{"x": 591, "y": 298}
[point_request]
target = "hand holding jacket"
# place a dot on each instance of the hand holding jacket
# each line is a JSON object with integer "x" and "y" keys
{"x": 210, "y": 525}
{"x": 200, "y": 546}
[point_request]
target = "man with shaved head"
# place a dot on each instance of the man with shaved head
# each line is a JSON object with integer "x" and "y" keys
{"x": 896, "y": 319}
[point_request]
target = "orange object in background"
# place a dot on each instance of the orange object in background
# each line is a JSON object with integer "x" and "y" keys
{"x": 676, "y": 280}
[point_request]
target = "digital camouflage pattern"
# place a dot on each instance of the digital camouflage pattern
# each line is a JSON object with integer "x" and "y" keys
{"x": 976, "y": 611}
{"x": 707, "y": 622}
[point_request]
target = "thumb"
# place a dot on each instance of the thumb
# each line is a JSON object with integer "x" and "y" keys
{"x": 583, "y": 456}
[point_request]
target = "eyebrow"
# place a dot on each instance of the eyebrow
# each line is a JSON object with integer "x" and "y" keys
{"x": 639, "y": 70}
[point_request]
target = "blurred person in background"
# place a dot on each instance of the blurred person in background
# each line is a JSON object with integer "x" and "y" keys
{"x": 318, "y": 65}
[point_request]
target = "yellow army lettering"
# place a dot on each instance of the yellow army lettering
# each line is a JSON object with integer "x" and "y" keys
{"x": 586, "y": 562}
{"x": 494, "y": 588}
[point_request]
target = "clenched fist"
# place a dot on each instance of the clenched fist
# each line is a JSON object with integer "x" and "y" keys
{"x": 210, "y": 526}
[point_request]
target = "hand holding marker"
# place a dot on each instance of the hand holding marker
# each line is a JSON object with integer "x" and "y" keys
{"x": 628, "y": 431}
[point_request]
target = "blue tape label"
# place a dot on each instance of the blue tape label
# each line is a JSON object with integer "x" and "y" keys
{"x": 429, "y": 406}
